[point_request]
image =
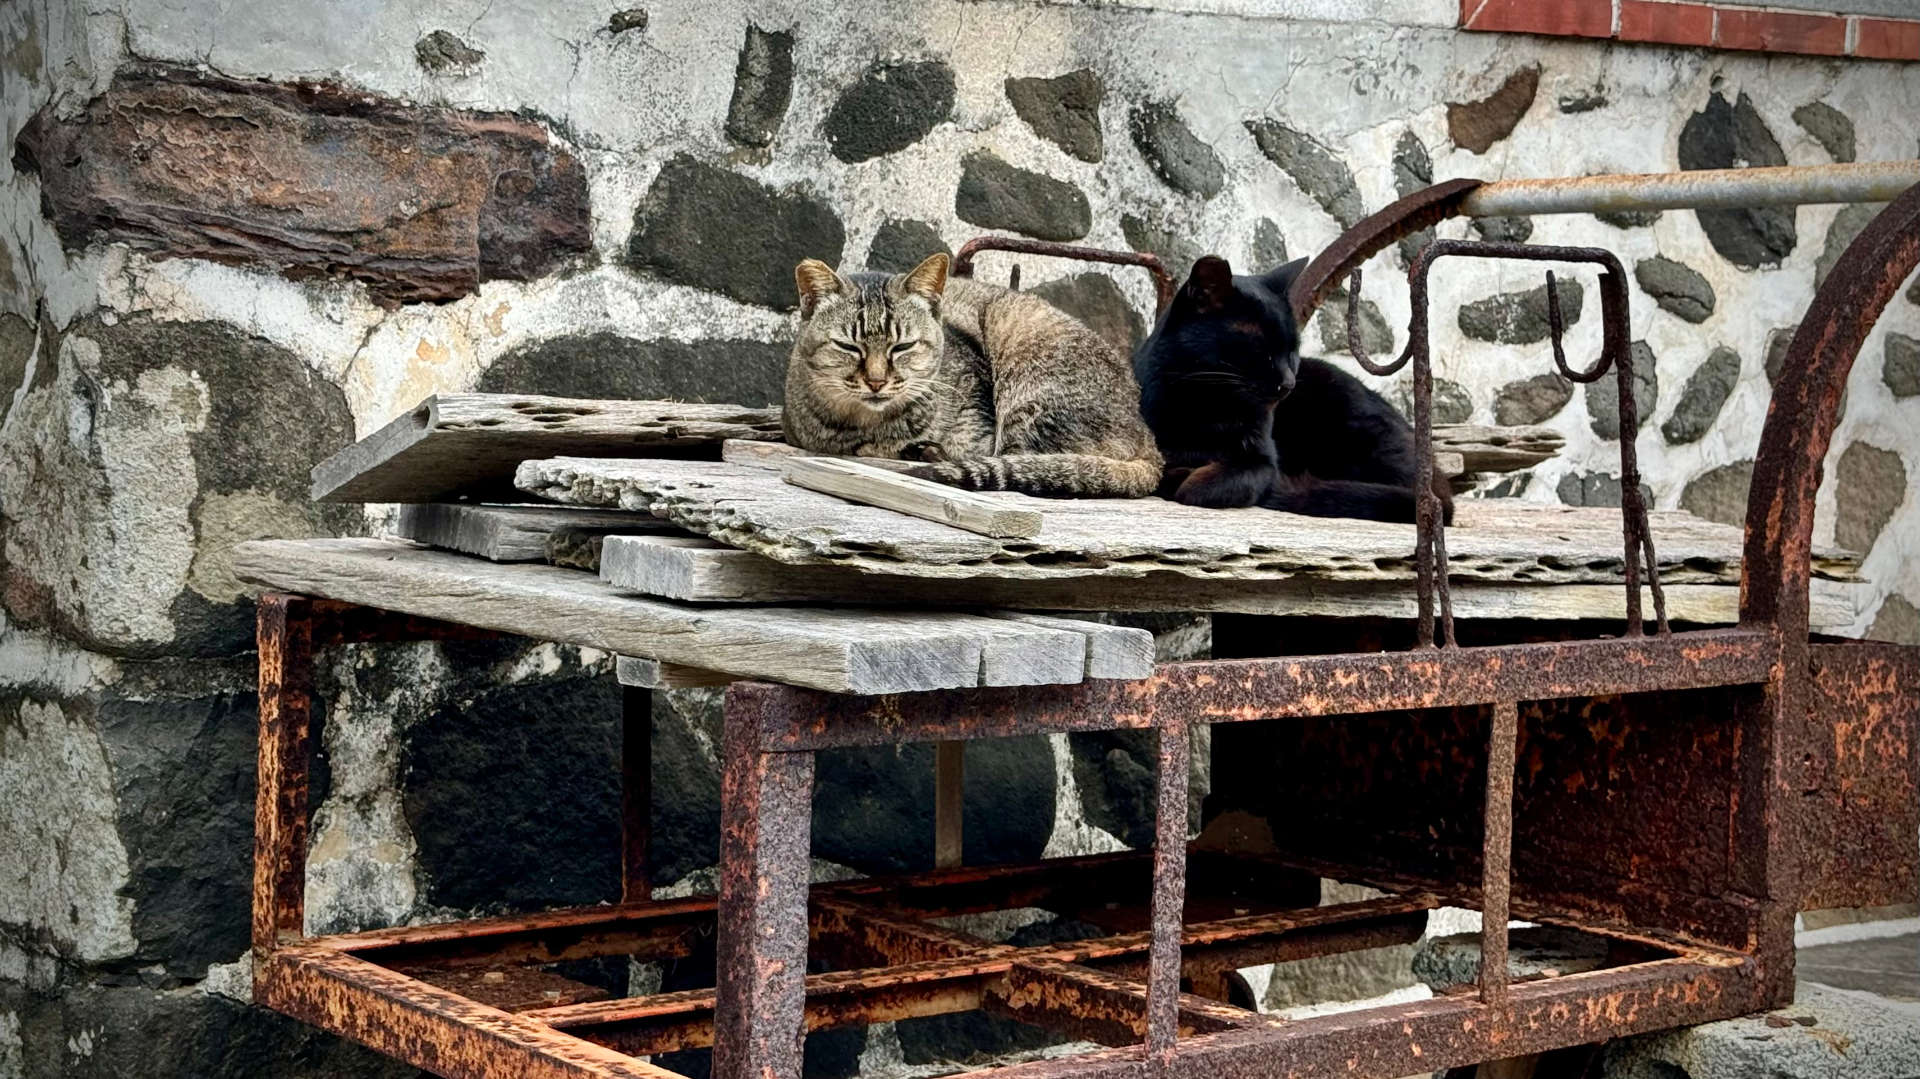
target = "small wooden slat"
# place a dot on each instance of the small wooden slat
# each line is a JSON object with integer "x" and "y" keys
{"x": 513, "y": 533}
{"x": 863, "y": 483}
{"x": 1491, "y": 539}
{"x": 844, "y": 650}
{"x": 1497, "y": 449}
{"x": 775, "y": 455}
{"x": 455, "y": 443}
{"x": 643, "y": 673}
{"x": 703, "y": 571}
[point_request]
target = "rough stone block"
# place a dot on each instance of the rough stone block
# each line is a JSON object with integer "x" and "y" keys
{"x": 1726, "y": 135}
{"x": 702, "y": 225}
{"x": 1064, "y": 110}
{"x": 310, "y": 179}
{"x": 996, "y": 195}
{"x": 892, "y": 107}
{"x": 1824, "y": 1034}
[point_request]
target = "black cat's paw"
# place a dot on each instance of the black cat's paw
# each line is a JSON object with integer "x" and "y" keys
{"x": 1218, "y": 487}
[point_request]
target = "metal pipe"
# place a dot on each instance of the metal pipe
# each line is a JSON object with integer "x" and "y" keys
{"x": 1731, "y": 189}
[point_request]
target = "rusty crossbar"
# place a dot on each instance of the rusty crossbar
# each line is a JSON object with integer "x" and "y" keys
{"x": 1163, "y": 283}
{"x": 1689, "y": 939}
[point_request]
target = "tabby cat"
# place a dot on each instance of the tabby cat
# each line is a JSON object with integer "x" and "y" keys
{"x": 994, "y": 389}
{"x": 1244, "y": 421}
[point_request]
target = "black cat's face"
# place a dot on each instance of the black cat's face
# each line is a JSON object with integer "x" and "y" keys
{"x": 1228, "y": 335}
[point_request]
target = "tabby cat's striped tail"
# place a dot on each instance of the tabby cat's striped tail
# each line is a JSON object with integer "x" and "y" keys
{"x": 1050, "y": 475}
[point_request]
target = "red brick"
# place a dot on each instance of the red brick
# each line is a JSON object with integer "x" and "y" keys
{"x": 1779, "y": 31}
{"x": 1887, "y": 39}
{"x": 1670, "y": 24}
{"x": 1576, "y": 18}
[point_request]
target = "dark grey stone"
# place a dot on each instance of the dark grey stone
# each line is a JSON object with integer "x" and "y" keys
{"x": 1720, "y": 494}
{"x": 1726, "y": 135}
{"x": 1898, "y": 621}
{"x": 900, "y": 245}
{"x": 1531, "y": 400}
{"x": 1412, "y": 170}
{"x": 1628, "y": 219}
{"x": 1173, "y": 151}
{"x": 1829, "y": 127}
{"x": 633, "y": 18}
{"x": 1477, "y": 125}
{"x": 1603, "y": 394}
{"x": 1869, "y": 486}
{"x": 182, "y": 757}
{"x": 762, "y": 87}
{"x": 1376, "y": 337}
{"x": 607, "y": 365}
{"x": 1512, "y": 230}
{"x": 1269, "y": 245}
{"x": 1913, "y": 292}
{"x": 967, "y": 1038}
{"x": 94, "y": 1032}
{"x": 1316, "y": 169}
{"x": 1175, "y": 250}
{"x": 512, "y": 791}
{"x": 873, "y": 806}
{"x": 892, "y": 107}
{"x": 1900, "y": 365}
{"x": 16, "y": 346}
{"x": 1886, "y": 966}
{"x": 1676, "y": 287}
{"x": 1703, "y": 396}
{"x": 1583, "y": 101}
{"x": 1823, "y": 1034}
{"x": 270, "y": 419}
{"x": 686, "y": 782}
{"x": 1520, "y": 318}
{"x": 996, "y": 195}
{"x": 1094, "y": 299}
{"x": 1451, "y": 401}
{"x": 1588, "y": 489}
{"x": 1778, "y": 341}
{"x": 441, "y": 52}
{"x": 705, "y": 226}
{"x": 1511, "y": 485}
{"x": 1115, "y": 773}
{"x": 1064, "y": 110}
{"x": 1847, "y": 225}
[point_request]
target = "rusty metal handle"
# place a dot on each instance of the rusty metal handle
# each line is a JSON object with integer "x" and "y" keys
{"x": 1163, "y": 283}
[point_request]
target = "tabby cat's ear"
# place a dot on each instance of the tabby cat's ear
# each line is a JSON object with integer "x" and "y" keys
{"x": 1279, "y": 280}
{"x": 927, "y": 280}
{"x": 1210, "y": 283}
{"x": 816, "y": 281}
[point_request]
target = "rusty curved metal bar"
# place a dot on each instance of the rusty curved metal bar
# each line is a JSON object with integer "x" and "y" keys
{"x": 1163, "y": 283}
{"x": 1422, "y": 209}
{"x": 1806, "y": 406}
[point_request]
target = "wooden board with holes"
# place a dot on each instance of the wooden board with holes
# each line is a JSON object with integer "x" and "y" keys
{"x": 842, "y": 649}
{"x": 469, "y": 443}
{"x": 1492, "y": 540}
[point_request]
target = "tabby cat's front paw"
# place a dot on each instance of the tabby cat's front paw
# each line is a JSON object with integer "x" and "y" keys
{"x": 922, "y": 451}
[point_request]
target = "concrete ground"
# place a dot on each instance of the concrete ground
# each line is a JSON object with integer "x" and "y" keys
{"x": 1889, "y": 966}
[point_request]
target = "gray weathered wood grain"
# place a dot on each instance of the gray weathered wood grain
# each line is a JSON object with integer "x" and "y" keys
{"x": 469, "y": 443}
{"x": 1112, "y": 651}
{"x": 775, "y": 455}
{"x": 644, "y": 673}
{"x": 987, "y": 514}
{"x": 1496, "y": 449}
{"x": 714, "y": 573}
{"x": 1492, "y": 539}
{"x": 512, "y": 533}
{"x": 848, "y": 650}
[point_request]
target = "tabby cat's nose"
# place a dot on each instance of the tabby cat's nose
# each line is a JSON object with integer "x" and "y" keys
{"x": 875, "y": 384}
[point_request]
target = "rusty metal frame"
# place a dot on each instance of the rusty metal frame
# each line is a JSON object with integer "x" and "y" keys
{"x": 1163, "y": 283}
{"x": 1179, "y": 924}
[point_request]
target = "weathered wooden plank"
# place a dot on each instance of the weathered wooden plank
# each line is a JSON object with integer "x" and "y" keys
{"x": 1112, "y": 651}
{"x": 709, "y": 572}
{"x": 775, "y": 455}
{"x": 1491, "y": 540}
{"x": 847, "y": 650}
{"x": 513, "y": 533}
{"x": 644, "y": 673}
{"x": 470, "y": 443}
{"x": 986, "y": 514}
{"x": 1496, "y": 449}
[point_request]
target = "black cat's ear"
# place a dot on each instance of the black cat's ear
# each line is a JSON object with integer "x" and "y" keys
{"x": 1279, "y": 280}
{"x": 1210, "y": 284}
{"x": 816, "y": 281}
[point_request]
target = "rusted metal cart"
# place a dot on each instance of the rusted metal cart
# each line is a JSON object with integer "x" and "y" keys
{"x": 1677, "y": 793}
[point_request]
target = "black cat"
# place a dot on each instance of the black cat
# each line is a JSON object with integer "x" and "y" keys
{"x": 1244, "y": 421}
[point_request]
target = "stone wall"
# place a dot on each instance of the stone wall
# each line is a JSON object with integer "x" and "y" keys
{"x": 208, "y": 282}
